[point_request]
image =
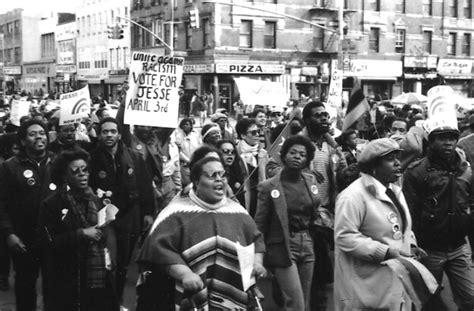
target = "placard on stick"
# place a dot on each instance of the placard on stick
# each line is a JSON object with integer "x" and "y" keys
{"x": 74, "y": 106}
{"x": 152, "y": 98}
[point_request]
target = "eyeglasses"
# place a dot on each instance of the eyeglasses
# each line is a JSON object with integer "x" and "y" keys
{"x": 228, "y": 151}
{"x": 254, "y": 132}
{"x": 276, "y": 114}
{"x": 213, "y": 176}
{"x": 80, "y": 170}
{"x": 320, "y": 115}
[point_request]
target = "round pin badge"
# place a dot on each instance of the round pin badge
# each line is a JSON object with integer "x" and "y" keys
{"x": 314, "y": 189}
{"x": 130, "y": 171}
{"x": 102, "y": 174}
{"x": 139, "y": 147}
{"x": 397, "y": 235}
{"x": 275, "y": 194}
{"x": 395, "y": 227}
{"x": 392, "y": 217}
{"x": 31, "y": 181}
{"x": 106, "y": 201}
{"x": 28, "y": 173}
{"x": 108, "y": 193}
{"x": 52, "y": 187}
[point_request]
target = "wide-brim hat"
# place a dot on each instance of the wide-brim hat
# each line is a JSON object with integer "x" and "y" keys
{"x": 378, "y": 148}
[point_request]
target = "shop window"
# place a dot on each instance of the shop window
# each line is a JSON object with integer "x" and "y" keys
{"x": 175, "y": 35}
{"x": 400, "y": 41}
{"x": 246, "y": 34}
{"x": 318, "y": 37}
{"x": 428, "y": 7}
{"x": 269, "y": 38}
{"x": 453, "y": 8}
{"x": 427, "y": 39}
{"x": 374, "y": 38}
{"x": 452, "y": 44}
{"x": 466, "y": 44}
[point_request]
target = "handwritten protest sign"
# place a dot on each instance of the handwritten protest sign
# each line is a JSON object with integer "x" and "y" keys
{"x": 19, "y": 109}
{"x": 335, "y": 86}
{"x": 74, "y": 106}
{"x": 263, "y": 93}
{"x": 441, "y": 109}
{"x": 152, "y": 99}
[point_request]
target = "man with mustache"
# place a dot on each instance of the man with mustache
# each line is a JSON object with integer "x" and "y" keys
{"x": 439, "y": 191}
{"x": 24, "y": 182}
{"x": 120, "y": 174}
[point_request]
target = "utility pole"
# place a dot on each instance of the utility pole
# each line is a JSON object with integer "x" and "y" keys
{"x": 172, "y": 29}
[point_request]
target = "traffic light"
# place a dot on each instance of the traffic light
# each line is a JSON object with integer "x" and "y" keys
{"x": 111, "y": 32}
{"x": 194, "y": 18}
{"x": 120, "y": 32}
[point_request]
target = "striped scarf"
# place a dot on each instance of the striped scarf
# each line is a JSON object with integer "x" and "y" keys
{"x": 84, "y": 206}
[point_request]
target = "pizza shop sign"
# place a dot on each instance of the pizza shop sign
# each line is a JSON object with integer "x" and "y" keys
{"x": 240, "y": 68}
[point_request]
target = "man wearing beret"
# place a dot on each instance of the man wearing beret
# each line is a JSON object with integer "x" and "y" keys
{"x": 439, "y": 193}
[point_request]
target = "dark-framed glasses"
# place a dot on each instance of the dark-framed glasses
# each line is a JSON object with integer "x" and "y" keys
{"x": 228, "y": 151}
{"x": 254, "y": 132}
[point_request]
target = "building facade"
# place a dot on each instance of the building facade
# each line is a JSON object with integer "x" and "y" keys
{"x": 66, "y": 68}
{"x": 102, "y": 62}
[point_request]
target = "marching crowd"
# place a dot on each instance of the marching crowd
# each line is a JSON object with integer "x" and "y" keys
{"x": 324, "y": 208}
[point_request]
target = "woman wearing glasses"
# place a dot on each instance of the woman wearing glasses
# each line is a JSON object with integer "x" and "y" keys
{"x": 234, "y": 168}
{"x": 254, "y": 156}
{"x": 76, "y": 265}
{"x": 195, "y": 240}
{"x": 372, "y": 224}
{"x": 286, "y": 208}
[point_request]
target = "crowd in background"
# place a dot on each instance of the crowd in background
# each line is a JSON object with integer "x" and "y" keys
{"x": 293, "y": 205}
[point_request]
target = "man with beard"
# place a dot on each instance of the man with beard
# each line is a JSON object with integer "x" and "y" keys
{"x": 327, "y": 163}
{"x": 119, "y": 177}
{"x": 439, "y": 192}
{"x": 24, "y": 182}
{"x": 66, "y": 138}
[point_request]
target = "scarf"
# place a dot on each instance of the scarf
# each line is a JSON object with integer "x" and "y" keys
{"x": 205, "y": 205}
{"x": 84, "y": 206}
{"x": 249, "y": 153}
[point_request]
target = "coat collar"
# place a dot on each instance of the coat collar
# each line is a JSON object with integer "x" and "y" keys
{"x": 375, "y": 188}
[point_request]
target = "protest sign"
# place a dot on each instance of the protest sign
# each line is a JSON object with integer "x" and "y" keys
{"x": 74, "y": 106}
{"x": 335, "y": 86}
{"x": 263, "y": 93}
{"x": 152, "y": 98}
{"x": 19, "y": 109}
{"x": 441, "y": 109}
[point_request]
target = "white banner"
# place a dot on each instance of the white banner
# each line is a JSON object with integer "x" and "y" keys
{"x": 20, "y": 108}
{"x": 263, "y": 93}
{"x": 335, "y": 86}
{"x": 152, "y": 99}
{"x": 74, "y": 106}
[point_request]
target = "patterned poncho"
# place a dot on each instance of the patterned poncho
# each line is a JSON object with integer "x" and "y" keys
{"x": 190, "y": 233}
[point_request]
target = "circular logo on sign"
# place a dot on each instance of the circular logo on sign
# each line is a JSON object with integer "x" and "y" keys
{"x": 314, "y": 189}
{"x": 31, "y": 181}
{"x": 130, "y": 171}
{"x": 275, "y": 194}
{"x": 139, "y": 147}
{"x": 28, "y": 173}
{"x": 52, "y": 187}
{"x": 102, "y": 174}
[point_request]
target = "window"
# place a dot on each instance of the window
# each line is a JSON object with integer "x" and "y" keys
{"x": 427, "y": 7}
{"x": 466, "y": 44}
{"x": 374, "y": 5}
{"x": 17, "y": 53}
{"x": 206, "y": 38}
{"x": 453, "y": 8}
{"x": 269, "y": 37}
{"x": 126, "y": 57}
{"x": 452, "y": 43}
{"x": 189, "y": 35}
{"x": 467, "y": 8}
{"x": 269, "y": 1}
{"x": 100, "y": 25}
{"x": 400, "y": 6}
{"x": 246, "y": 34}
{"x": 156, "y": 28}
{"x": 374, "y": 39}
{"x": 175, "y": 35}
{"x": 88, "y": 25}
{"x": 427, "y": 38}
{"x": 318, "y": 37}
{"x": 400, "y": 41}
{"x": 111, "y": 58}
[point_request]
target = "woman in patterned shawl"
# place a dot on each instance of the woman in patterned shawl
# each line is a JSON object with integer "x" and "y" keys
{"x": 195, "y": 239}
